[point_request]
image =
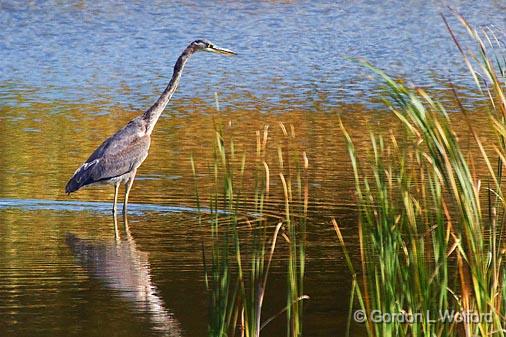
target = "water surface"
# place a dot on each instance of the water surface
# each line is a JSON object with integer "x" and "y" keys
{"x": 71, "y": 74}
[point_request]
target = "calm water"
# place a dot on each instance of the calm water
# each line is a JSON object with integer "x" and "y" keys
{"x": 72, "y": 74}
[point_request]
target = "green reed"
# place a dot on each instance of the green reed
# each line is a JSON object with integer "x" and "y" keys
{"x": 296, "y": 229}
{"x": 219, "y": 278}
{"x": 430, "y": 226}
{"x": 244, "y": 236}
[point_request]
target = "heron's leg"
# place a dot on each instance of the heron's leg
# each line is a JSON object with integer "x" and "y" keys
{"x": 116, "y": 190}
{"x": 129, "y": 184}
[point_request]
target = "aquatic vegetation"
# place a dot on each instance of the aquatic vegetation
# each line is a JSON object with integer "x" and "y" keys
{"x": 431, "y": 224}
{"x": 245, "y": 236}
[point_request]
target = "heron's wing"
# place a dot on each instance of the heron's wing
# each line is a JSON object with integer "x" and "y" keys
{"x": 136, "y": 128}
{"x": 125, "y": 157}
{"x": 118, "y": 155}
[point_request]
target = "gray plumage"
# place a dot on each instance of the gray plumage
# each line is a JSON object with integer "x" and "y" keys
{"x": 117, "y": 159}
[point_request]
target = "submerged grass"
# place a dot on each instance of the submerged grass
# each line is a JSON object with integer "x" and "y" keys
{"x": 431, "y": 234}
{"x": 243, "y": 243}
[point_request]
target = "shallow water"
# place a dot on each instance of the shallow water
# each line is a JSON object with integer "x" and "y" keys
{"x": 72, "y": 74}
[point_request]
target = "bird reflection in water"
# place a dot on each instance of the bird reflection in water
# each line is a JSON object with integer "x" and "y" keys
{"x": 125, "y": 269}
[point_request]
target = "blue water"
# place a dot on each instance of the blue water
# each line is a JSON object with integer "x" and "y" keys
{"x": 80, "y": 206}
{"x": 290, "y": 54}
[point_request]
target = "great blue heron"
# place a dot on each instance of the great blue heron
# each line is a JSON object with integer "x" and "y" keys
{"x": 116, "y": 161}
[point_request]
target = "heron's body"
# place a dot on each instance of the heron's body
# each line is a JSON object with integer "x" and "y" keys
{"x": 117, "y": 159}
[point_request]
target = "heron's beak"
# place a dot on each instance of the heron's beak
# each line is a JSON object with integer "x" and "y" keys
{"x": 222, "y": 51}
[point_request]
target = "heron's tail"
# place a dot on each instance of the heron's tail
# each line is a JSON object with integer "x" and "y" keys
{"x": 72, "y": 186}
{"x": 81, "y": 177}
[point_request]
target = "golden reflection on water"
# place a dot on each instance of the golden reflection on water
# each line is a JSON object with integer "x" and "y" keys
{"x": 41, "y": 149}
{"x": 42, "y": 145}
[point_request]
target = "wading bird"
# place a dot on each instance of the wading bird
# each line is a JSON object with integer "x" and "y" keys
{"x": 116, "y": 161}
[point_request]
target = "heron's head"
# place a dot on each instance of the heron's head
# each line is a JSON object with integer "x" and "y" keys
{"x": 204, "y": 45}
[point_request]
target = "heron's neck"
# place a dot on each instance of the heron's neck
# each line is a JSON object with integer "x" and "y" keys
{"x": 152, "y": 114}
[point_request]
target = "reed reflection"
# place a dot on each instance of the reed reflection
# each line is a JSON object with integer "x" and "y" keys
{"x": 122, "y": 267}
